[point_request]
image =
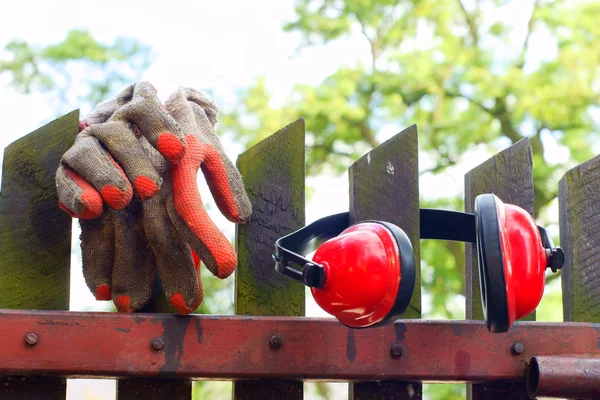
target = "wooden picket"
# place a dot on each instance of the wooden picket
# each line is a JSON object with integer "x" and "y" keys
{"x": 508, "y": 175}
{"x": 35, "y": 243}
{"x": 273, "y": 173}
{"x": 384, "y": 186}
{"x": 35, "y": 238}
{"x": 579, "y": 210}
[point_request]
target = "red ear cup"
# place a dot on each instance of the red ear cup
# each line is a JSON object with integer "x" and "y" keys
{"x": 369, "y": 274}
{"x": 512, "y": 261}
{"x": 524, "y": 262}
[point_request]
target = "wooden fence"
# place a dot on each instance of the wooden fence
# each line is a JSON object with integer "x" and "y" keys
{"x": 35, "y": 243}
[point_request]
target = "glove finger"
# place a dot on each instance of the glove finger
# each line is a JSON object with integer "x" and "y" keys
{"x": 196, "y": 113}
{"x": 89, "y": 160}
{"x": 105, "y": 110}
{"x": 124, "y": 146}
{"x": 133, "y": 271}
{"x": 97, "y": 250}
{"x": 195, "y": 226}
{"x": 179, "y": 273}
{"x": 76, "y": 196}
{"x": 154, "y": 122}
{"x": 226, "y": 186}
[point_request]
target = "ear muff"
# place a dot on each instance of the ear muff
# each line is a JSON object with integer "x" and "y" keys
{"x": 364, "y": 274}
{"x": 369, "y": 274}
{"x": 512, "y": 258}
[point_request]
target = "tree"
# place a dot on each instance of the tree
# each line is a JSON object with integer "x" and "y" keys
{"x": 102, "y": 68}
{"x": 468, "y": 73}
{"x": 460, "y": 73}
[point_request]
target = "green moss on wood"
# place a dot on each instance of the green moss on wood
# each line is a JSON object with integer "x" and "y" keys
{"x": 579, "y": 207}
{"x": 273, "y": 174}
{"x": 35, "y": 235}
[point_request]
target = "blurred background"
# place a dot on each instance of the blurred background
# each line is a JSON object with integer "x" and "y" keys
{"x": 475, "y": 76}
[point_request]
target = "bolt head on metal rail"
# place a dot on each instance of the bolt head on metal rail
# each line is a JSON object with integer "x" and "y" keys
{"x": 396, "y": 350}
{"x": 158, "y": 343}
{"x": 31, "y": 339}
{"x": 518, "y": 348}
{"x": 275, "y": 341}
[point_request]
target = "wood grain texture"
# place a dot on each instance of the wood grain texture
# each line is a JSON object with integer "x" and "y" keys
{"x": 273, "y": 174}
{"x": 579, "y": 216}
{"x": 35, "y": 237}
{"x": 384, "y": 185}
{"x": 509, "y": 176}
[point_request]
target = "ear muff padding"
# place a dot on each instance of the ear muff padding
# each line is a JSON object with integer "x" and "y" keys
{"x": 491, "y": 264}
{"x": 407, "y": 273}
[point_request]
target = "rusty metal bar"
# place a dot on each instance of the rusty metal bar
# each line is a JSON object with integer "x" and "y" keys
{"x": 77, "y": 344}
{"x": 574, "y": 376}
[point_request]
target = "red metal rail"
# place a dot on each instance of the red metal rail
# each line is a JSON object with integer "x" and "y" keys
{"x": 78, "y": 344}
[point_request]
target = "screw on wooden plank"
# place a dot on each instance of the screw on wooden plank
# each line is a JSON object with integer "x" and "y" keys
{"x": 31, "y": 339}
{"x": 158, "y": 343}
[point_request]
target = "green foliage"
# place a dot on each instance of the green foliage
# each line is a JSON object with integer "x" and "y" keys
{"x": 50, "y": 69}
{"x": 470, "y": 75}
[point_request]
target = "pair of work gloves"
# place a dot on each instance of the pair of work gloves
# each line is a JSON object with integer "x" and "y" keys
{"x": 130, "y": 178}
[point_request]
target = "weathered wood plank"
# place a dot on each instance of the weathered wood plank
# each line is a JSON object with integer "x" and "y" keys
{"x": 273, "y": 174}
{"x": 509, "y": 176}
{"x": 35, "y": 237}
{"x": 579, "y": 216}
{"x": 384, "y": 185}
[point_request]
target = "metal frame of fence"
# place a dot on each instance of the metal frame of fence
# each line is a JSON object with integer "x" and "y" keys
{"x": 269, "y": 348}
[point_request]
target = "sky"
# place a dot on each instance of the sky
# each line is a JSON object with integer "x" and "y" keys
{"x": 220, "y": 45}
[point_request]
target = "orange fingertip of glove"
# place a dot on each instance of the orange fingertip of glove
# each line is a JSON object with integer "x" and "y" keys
{"x": 170, "y": 146}
{"x": 123, "y": 304}
{"x": 90, "y": 198}
{"x": 103, "y": 292}
{"x": 145, "y": 187}
{"x": 115, "y": 197}
{"x": 180, "y": 305}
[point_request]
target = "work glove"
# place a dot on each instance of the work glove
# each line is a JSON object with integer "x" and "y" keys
{"x": 130, "y": 178}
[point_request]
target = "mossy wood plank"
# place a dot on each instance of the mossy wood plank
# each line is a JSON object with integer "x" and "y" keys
{"x": 579, "y": 215}
{"x": 273, "y": 174}
{"x": 509, "y": 176}
{"x": 35, "y": 238}
{"x": 384, "y": 185}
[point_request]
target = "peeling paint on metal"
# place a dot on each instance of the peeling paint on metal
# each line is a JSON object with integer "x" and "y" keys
{"x": 351, "y": 346}
{"x": 400, "y": 330}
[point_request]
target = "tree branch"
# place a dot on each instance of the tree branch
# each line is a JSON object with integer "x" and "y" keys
{"x": 530, "y": 24}
{"x": 367, "y": 133}
{"x": 471, "y": 23}
{"x": 452, "y": 94}
{"x": 500, "y": 111}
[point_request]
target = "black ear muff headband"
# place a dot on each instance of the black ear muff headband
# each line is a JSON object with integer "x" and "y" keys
{"x": 435, "y": 224}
